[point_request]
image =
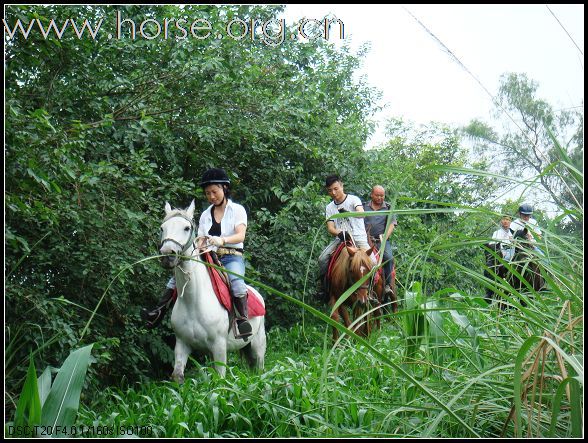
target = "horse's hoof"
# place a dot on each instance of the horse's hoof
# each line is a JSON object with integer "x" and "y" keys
{"x": 178, "y": 378}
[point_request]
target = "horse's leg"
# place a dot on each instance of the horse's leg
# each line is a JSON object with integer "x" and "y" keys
{"x": 379, "y": 297}
{"x": 181, "y": 353}
{"x": 255, "y": 351}
{"x": 334, "y": 316}
{"x": 538, "y": 281}
{"x": 368, "y": 320}
{"x": 345, "y": 314}
{"x": 361, "y": 328}
{"x": 363, "y": 311}
{"x": 219, "y": 354}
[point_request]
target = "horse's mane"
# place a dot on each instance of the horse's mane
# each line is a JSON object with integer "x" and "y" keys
{"x": 339, "y": 273}
{"x": 343, "y": 265}
{"x": 360, "y": 259}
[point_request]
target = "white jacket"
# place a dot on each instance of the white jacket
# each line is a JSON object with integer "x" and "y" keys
{"x": 532, "y": 227}
{"x": 504, "y": 238}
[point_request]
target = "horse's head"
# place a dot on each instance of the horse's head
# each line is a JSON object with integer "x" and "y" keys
{"x": 521, "y": 234}
{"x": 521, "y": 239}
{"x": 177, "y": 234}
{"x": 360, "y": 265}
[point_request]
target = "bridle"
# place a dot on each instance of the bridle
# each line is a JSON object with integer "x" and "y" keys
{"x": 368, "y": 284}
{"x": 191, "y": 238}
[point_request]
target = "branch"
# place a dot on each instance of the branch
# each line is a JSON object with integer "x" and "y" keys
{"x": 138, "y": 117}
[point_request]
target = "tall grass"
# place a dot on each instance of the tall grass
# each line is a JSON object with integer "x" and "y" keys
{"x": 447, "y": 365}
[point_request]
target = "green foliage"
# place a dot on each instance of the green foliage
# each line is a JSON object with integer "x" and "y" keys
{"x": 289, "y": 239}
{"x": 529, "y": 146}
{"x": 100, "y": 132}
{"x": 28, "y": 411}
{"x": 413, "y": 320}
{"x": 62, "y": 402}
{"x": 46, "y": 408}
{"x": 428, "y": 199}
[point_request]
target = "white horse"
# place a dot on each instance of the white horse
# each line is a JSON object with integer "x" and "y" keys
{"x": 198, "y": 318}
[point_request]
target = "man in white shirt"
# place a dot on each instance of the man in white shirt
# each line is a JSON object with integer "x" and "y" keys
{"x": 525, "y": 221}
{"x": 503, "y": 237}
{"x": 342, "y": 228}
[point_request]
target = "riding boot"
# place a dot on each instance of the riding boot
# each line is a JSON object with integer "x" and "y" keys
{"x": 155, "y": 316}
{"x": 388, "y": 291}
{"x": 243, "y": 326}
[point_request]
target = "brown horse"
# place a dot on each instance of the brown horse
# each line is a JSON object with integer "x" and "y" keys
{"x": 349, "y": 267}
{"x": 523, "y": 263}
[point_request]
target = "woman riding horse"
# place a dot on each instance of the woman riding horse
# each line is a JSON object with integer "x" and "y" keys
{"x": 201, "y": 317}
{"x": 225, "y": 222}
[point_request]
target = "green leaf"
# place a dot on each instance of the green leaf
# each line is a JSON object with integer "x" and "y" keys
{"x": 61, "y": 405}
{"x": 576, "y": 406}
{"x": 44, "y": 384}
{"x": 28, "y": 411}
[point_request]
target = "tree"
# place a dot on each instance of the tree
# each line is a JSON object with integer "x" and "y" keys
{"x": 537, "y": 139}
{"x": 101, "y": 132}
{"x": 414, "y": 168}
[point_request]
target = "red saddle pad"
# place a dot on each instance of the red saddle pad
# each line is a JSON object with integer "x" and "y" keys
{"x": 254, "y": 305}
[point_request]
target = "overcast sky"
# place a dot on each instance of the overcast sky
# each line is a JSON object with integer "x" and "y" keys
{"x": 422, "y": 83}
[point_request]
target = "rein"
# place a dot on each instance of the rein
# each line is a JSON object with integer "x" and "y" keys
{"x": 184, "y": 248}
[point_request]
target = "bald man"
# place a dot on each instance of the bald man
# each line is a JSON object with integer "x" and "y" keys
{"x": 375, "y": 226}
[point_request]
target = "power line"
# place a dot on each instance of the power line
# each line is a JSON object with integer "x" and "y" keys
{"x": 571, "y": 107}
{"x": 563, "y": 27}
{"x": 458, "y": 61}
{"x": 464, "y": 67}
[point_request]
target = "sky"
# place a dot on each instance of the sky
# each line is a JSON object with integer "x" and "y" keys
{"x": 420, "y": 82}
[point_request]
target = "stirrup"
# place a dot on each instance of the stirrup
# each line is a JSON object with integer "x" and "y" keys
{"x": 245, "y": 335}
{"x": 152, "y": 318}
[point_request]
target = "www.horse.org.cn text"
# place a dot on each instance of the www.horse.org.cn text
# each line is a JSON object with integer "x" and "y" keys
{"x": 272, "y": 32}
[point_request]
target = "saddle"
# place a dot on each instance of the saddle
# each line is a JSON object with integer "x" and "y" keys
{"x": 223, "y": 294}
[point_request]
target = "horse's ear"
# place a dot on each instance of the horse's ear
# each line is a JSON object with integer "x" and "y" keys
{"x": 351, "y": 250}
{"x": 369, "y": 251}
{"x": 190, "y": 209}
{"x": 167, "y": 208}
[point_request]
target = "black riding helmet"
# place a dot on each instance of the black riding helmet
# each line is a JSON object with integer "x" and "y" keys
{"x": 214, "y": 176}
{"x": 526, "y": 209}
